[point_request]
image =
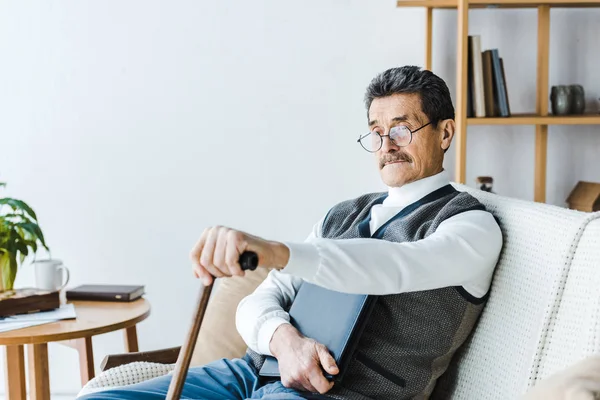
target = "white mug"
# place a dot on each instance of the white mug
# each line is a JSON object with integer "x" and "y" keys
{"x": 51, "y": 275}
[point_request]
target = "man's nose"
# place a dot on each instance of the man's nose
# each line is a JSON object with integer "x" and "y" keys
{"x": 388, "y": 145}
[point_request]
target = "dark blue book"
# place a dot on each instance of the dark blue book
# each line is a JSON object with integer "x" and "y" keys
{"x": 333, "y": 319}
{"x": 505, "y": 86}
{"x": 500, "y": 92}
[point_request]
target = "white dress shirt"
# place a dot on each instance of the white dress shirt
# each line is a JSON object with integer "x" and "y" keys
{"x": 463, "y": 251}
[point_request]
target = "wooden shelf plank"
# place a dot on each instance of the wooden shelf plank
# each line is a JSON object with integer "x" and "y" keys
{"x": 500, "y": 3}
{"x": 428, "y": 3}
{"x": 540, "y": 162}
{"x": 460, "y": 134}
{"x": 532, "y": 119}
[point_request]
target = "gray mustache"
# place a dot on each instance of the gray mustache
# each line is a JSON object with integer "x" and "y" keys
{"x": 400, "y": 157}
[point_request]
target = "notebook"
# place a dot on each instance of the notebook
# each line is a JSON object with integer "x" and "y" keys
{"x": 332, "y": 318}
{"x": 106, "y": 292}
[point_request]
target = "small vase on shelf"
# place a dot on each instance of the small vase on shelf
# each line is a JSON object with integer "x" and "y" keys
{"x": 577, "y": 99}
{"x": 561, "y": 99}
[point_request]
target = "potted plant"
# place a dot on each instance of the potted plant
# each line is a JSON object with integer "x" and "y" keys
{"x": 19, "y": 237}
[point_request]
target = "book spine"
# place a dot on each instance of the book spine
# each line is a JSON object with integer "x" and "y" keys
{"x": 488, "y": 83}
{"x": 500, "y": 89}
{"x": 505, "y": 87}
{"x": 478, "y": 94}
{"x": 470, "y": 112}
{"x": 98, "y": 296}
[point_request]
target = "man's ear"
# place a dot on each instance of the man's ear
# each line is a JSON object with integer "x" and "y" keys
{"x": 447, "y": 128}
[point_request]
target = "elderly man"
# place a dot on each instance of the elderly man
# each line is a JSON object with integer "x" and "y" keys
{"x": 427, "y": 250}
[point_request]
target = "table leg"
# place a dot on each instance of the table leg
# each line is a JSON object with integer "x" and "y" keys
{"x": 131, "y": 341}
{"x": 39, "y": 380}
{"x": 15, "y": 373}
{"x": 86, "y": 359}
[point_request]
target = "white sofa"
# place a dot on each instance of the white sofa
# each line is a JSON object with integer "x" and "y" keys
{"x": 543, "y": 314}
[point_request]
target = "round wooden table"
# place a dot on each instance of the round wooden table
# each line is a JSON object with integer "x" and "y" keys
{"x": 93, "y": 318}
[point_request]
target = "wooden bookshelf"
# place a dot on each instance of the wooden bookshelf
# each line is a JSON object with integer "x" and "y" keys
{"x": 500, "y": 3}
{"x": 532, "y": 119}
{"x": 541, "y": 118}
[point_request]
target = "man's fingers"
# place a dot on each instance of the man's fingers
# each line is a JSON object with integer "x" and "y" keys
{"x": 219, "y": 253}
{"x": 297, "y": 380}
{"x": 318, "y": 381}
{"x": 206, "y": 258}
{"x": 305, "y": 384}
{"x": 327, "y": 360}
{"x": 195, "y": 254}
{"x": 204, "y": 275}
{"x": 232, "y": 253}
{"x": 197, "y": 249}
{"x": 232, "y": 259}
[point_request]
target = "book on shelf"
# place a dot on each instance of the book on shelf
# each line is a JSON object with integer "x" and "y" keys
{"x": 106, "y": 292}
{"x": 488, "y": 83}
{"x": 470, "y": 112}
{"x": 505, "y": 86}
{"x": 487, "y": 92}
{"x": 500, "y": 92}
{"x": 477, "y": 77}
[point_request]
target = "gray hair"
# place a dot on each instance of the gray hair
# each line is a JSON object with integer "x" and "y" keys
{"x": 436, "y": 102}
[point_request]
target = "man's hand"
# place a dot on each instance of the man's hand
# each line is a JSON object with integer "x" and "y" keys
{"x": 218, "y": 251}
{"x": 302, "y": 360}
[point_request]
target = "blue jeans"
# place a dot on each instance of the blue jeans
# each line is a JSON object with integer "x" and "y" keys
{"x": 220, "y": 380}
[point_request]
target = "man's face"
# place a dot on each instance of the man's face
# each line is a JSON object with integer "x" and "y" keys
{"x": 423, "y": 156}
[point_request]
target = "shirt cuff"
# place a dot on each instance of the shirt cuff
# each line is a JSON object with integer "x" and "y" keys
{"x": 265, "y": 334}
{"x": 304, "y": 261}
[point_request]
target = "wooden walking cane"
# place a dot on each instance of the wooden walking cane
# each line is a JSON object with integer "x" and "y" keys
{"x": 248, "y": 261}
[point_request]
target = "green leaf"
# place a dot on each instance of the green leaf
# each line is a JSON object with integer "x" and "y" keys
{"x": 12, "y": 216}
{"x": 19, "y": 231}
{"x": 32, "y": 244}
{"x": 33, "y": 229}
{"x": 8, "y": 271}
{"x": 18, "y": 205}
{"x": 22, "y": 247}
{"x": 11, "y": 220}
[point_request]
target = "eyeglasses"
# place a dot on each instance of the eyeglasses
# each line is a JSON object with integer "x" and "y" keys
{"x": 400, "y": 135}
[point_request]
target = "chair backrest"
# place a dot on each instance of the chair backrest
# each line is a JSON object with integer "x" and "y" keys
{"x": 523, "y": 333}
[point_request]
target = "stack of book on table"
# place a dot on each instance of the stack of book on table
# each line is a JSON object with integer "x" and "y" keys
{"x": 487, "y": 95}
{"x": 22, "y": 308}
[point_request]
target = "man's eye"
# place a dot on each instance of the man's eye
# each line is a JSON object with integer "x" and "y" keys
{"x": 399, "y": 130}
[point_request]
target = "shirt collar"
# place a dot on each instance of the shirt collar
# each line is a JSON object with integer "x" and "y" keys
{"x": 411, "y": 192}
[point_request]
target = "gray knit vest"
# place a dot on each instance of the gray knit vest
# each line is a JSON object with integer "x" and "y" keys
{"x": 409, "y": 338}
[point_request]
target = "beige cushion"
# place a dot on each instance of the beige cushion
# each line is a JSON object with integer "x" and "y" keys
{"x": 218, "y": 337}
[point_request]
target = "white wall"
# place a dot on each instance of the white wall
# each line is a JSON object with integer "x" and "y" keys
{"x": 131, "y": 126}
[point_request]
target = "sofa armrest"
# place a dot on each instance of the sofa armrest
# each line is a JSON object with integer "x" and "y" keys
{"x": 163, "y": 356}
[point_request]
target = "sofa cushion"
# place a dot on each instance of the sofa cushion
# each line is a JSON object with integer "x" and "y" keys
{"x": 218, "y": 337}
